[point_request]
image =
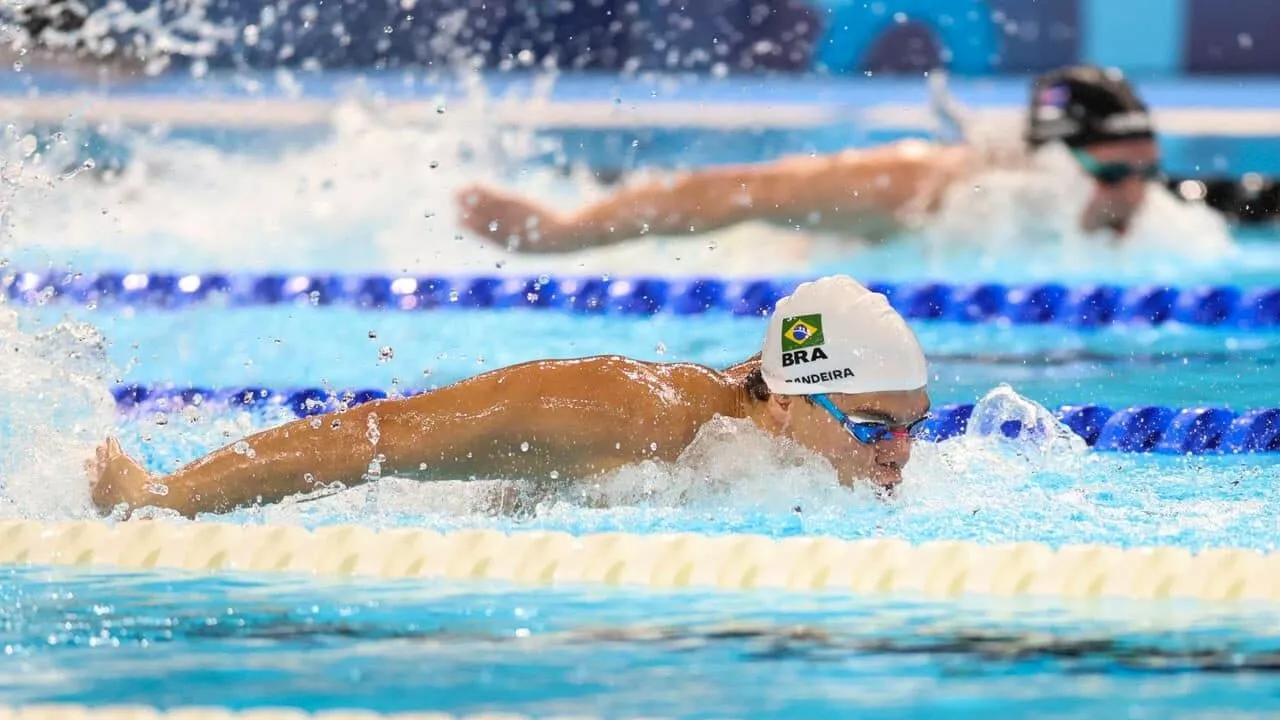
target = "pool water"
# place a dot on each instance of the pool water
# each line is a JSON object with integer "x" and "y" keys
{"x": 169, "y": 639}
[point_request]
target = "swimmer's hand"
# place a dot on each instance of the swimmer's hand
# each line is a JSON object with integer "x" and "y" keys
{"x": 511, "y": 222}
{"x": 115, "y": 479}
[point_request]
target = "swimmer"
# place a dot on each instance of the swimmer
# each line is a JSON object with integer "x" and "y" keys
{"x": 840, "y": 374}
{"x": 872, "y": 194}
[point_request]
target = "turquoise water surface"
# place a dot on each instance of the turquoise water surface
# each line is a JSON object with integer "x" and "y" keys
{"x": 168, "y": 639}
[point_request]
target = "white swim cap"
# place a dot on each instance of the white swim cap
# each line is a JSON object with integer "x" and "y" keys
{"x": 835, "y": 336}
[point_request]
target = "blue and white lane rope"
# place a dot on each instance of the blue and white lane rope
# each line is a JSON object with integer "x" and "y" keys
{"x": 1043, "y": 303}
{"x": 1137, "y": 429}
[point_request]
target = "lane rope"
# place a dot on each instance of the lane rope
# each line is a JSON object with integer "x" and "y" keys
{"x": 1088, "y": 306}
{"x": 940, "y": 569}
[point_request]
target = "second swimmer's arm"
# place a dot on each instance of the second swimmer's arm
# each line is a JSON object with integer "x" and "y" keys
{"x": 881, "y": 181}
{"x": 695, "y": 202}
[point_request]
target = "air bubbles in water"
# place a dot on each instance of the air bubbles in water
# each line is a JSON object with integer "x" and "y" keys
{"x": 385, "y": 353}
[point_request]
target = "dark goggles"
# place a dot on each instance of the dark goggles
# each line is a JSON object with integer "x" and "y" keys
{"x": 870, "y": 431}
{"x": 1114, "y": 173}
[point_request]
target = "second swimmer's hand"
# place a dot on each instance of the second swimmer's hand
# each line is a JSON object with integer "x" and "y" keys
{"x": 509, "y": 221}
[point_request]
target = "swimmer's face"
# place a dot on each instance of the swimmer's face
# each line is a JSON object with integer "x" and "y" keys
{"x": 1117, "y": 197}
{"x": 815, "y": 428}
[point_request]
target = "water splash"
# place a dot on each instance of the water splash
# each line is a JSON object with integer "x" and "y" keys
{"x": 1026, "y": 426}
{"x": 1025, "y": 220}
{"x": 57, "y": 409}
{"x": 55, "y": 384}
{"x": 371, "y": 194}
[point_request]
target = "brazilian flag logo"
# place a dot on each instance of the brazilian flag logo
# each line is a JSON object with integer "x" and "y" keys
{"x": 801, "y": 332}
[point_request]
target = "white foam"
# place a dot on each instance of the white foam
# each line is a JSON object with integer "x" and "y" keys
{"x": 56, "y": 409}
{"x": 370, "y": 196}
{"x": 54, "y": 380}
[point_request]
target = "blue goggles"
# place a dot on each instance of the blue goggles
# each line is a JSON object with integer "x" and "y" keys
{"x": 870, "y": 431}
{"x": 1114, "y": 173}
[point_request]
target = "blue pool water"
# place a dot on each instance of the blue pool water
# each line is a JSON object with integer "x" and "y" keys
{"x": 361, "y": 198}
{"x": 167, "y": 640}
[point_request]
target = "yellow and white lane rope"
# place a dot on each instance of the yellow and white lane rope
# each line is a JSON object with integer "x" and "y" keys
{"x": 744, "y": 562}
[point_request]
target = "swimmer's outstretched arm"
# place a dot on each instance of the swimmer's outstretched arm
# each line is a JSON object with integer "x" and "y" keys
{"x": 524, "y": 421}
{"x": 700, "y": 201}
{"x": 793, "y": 189}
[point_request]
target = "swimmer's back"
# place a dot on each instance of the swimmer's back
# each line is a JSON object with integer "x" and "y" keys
{"x": 631, "y": 388}
{"x": 595, "y": 405}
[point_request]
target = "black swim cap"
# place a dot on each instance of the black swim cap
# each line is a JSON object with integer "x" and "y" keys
{"x": 1083, "y": 105}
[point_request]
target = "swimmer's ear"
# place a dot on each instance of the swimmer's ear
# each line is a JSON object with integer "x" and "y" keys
{"x": 780, "y": 409}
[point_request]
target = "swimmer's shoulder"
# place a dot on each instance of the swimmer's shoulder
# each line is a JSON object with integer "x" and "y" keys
{"x": 670, "y": 385}
{"x": 664, "y": 388}
{"x": 680, "y": 377}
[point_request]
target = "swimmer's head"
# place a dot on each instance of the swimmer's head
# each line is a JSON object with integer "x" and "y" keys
{"x": 1099, "y": 117}
{"x": 842, "y": 374}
